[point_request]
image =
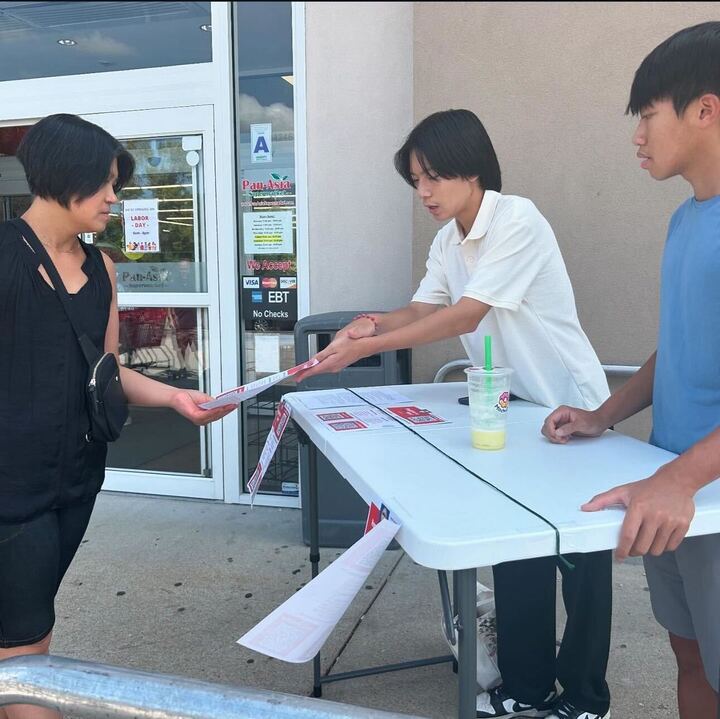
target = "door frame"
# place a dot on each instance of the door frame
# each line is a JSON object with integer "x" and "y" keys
{"x": 193, "y": 120}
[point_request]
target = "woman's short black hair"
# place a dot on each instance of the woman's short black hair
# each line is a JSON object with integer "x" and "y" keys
{"x": 681, "y": 69}
{"x": 67, "y": 158}
{"x": 451, "y": 143}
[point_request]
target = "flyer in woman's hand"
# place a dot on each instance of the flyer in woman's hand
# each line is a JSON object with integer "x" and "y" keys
{"x": 247, "y": 391}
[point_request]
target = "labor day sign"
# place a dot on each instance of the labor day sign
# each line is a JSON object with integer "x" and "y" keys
{"x": 140, "y": 218}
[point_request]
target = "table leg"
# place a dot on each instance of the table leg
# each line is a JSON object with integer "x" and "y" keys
{"x": 466, "y": 599}
{"x": 314, "y": 544}
{"x": 455, "y": 611}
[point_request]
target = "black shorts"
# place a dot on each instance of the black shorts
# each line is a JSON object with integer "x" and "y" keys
{"x": 34, "y": 557}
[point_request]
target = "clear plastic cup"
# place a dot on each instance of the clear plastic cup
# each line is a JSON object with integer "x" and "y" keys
{"x": 489, "y": 392}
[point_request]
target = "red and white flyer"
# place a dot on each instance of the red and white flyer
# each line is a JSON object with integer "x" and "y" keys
{"x": 247, "y": 391}
{"x": 333, "y": 416}
{"x": 355, "y": 419}
{"x": 416, "y": 415}
{"x": 347, "y": 425}
{"x": 373, "y": 517}
{"x": 282, "y": 417}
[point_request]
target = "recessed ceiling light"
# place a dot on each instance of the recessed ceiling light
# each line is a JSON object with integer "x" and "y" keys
{"x": 206, "y": 28}
{"x": 67, "y": 42}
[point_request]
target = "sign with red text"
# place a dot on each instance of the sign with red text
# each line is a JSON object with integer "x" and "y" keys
{"x": 140, "y": 220}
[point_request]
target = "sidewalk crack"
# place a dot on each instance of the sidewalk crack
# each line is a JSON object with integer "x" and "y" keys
{"x": 352, "y": 631}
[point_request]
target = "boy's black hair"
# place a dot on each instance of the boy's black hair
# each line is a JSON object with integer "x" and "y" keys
{"x": 681, "y": 69}
{"x": 451, "y": 143}
{"x": 67, "y": 158}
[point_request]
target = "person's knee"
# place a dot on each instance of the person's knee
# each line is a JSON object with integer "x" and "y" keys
{"x": 687, "y": 655}
{"x": 39, "y": 647}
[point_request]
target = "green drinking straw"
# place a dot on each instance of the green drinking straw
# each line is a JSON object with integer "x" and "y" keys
{"x": 488, "y": 362}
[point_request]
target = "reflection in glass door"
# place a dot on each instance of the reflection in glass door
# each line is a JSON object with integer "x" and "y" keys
{"x": 158, "y": 239}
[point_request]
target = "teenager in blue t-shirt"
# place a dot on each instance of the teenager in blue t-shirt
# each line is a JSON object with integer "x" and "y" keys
{"x": 676, "y": 93}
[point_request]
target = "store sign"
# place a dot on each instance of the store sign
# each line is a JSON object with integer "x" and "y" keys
{"x": 159, "y": 276}
{"x": 140, "y": 220}
{"x": 268, "y": 304}
{"x": 263, "y": 189}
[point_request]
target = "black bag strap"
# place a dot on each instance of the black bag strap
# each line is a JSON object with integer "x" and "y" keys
{"x": 86, "y": 344}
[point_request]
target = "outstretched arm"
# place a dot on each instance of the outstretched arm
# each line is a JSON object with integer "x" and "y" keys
{"x": 148, "y": 392}
{"x": 634, "y": 396}
{"x": 661, "y": 507}
{"x": 386, "y": 321}
{"x": 440, "y": 324}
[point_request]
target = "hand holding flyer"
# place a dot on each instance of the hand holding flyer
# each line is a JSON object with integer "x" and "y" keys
{"x": 247, "y": 391}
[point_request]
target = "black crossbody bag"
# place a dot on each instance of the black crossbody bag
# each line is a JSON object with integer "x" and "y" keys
{"x": 106, "y": 401}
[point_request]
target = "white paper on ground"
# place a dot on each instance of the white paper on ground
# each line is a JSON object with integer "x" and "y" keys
{"x": 248, "y": 391}
{"x": 298, "y": 628}
{"x": 336, "y": 398}
{"x": 282, "y": 417}
{"x": 267, "y": 353}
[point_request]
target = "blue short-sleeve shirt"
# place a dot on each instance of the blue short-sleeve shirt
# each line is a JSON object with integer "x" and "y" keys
{"x": 686, "y": 391}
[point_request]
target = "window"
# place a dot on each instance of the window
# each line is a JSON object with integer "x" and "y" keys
{"x": 264, "y": 108}
{"x": 49, "y": 39}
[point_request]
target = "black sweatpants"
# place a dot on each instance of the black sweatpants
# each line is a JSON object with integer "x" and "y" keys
{"x": 525, "y": 607}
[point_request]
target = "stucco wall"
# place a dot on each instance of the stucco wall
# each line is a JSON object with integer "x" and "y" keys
{"x": 550, "y": 81}
{"x": 359, "y": 109}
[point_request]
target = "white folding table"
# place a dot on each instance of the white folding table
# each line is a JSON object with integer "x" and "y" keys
{"x": 451, "y": 520}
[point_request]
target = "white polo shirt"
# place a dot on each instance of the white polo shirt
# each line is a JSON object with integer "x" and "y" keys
{"x": 510, "y": 260}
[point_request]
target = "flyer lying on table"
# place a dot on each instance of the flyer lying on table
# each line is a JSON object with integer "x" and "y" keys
{"x": 355, "y": 419}
{"x": 323, "y": 399}
{"x": 416, "y": 415}
{"x": 248, "y": 391}
{"x": 298, "y": 628}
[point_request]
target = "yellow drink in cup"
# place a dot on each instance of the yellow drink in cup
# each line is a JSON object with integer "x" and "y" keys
{"x": 488, "y": 438}
{"x": 489, "y": 391}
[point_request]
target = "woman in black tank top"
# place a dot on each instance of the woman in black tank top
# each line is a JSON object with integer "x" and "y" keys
{"x": 50, "y": 468}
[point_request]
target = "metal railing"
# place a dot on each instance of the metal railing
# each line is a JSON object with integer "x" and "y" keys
{"x": 88, "y": 691}
{"x": 610, "y": 369}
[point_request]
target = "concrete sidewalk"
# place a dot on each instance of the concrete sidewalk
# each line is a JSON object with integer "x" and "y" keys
{"x": 169, "y": 585}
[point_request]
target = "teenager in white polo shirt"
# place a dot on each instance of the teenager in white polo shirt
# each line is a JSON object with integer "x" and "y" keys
{"x": 495, "y": 268}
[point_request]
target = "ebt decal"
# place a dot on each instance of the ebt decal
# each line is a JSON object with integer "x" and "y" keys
{"x": 503, "y": 402}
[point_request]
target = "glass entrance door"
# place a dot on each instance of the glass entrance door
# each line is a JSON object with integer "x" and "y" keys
{"x": 162, "y": 238}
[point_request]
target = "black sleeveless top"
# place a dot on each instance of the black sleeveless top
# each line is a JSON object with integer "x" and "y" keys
{"x": 45, "y": 460}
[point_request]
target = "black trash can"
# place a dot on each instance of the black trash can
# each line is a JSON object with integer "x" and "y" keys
{"x": 341, "y": 510}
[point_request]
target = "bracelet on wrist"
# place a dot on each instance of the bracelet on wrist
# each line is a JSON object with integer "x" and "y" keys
{"x": 365, "y": 316}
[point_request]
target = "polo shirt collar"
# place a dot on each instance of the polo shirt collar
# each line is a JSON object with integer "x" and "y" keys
{"x": 482, "y": 220}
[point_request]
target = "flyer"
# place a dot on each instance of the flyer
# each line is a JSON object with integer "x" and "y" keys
{"x": 247, "y": 391}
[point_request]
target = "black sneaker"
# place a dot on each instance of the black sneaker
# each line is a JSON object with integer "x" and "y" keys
{"x": 497, "y": 703}
{"x": 563, "y": 709}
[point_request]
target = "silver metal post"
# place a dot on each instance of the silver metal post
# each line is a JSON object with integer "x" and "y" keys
{"x": 89, "y": 691}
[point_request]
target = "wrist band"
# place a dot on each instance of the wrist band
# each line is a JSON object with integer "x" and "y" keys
{"x": 363, "y": 316}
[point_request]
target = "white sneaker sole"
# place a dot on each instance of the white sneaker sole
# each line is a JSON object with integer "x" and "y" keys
{"x": 527, "y": 714}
